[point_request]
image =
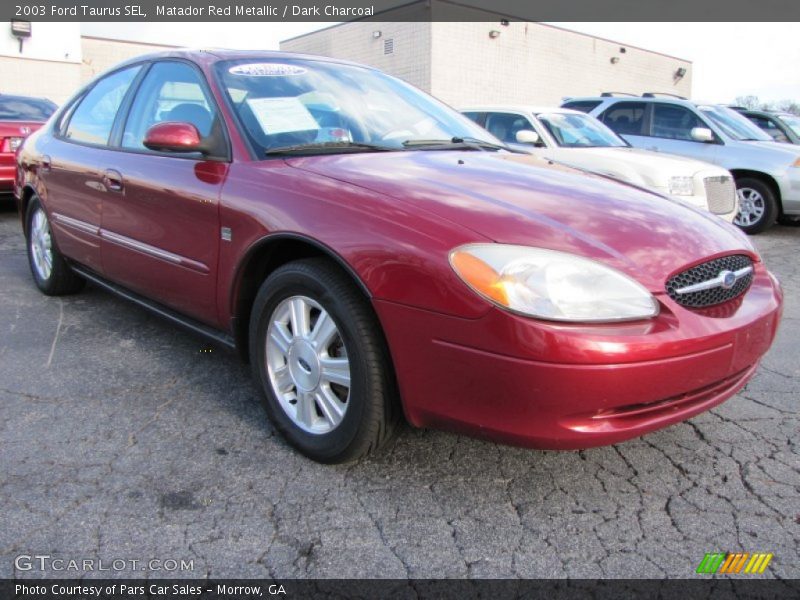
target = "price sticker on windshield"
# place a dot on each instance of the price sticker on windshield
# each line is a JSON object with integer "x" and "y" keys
{"x": 266, "y": 70}
{"x": 282, "y": 115}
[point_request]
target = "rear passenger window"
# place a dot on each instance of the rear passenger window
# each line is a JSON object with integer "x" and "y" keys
{"x": 674, "y": 122}
{"x": 625, "y": 118}
{"x": 586, "y": 106}
{"x": 92, "y": 120}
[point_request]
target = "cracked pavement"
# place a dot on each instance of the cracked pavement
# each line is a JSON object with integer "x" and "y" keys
{"x": 122, "y": 436}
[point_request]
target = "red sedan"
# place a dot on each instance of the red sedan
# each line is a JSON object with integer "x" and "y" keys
{"x": 373, "y": 253}
{"x": 19, "y": 117}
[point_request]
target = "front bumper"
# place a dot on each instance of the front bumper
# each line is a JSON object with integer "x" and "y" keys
{"x": 545, "y": 385}
{"x": 789, "y": 186}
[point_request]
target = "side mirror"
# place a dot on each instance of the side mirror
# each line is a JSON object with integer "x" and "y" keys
{"x": 702, "y": 134}
{"x": 526, "y": 136}
{"x": 173, "y": 136}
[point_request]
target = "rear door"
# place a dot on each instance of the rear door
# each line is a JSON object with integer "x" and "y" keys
{"x": 72, "y": 167}
{"x": 630, "y": 120}
{"x": 161, "y": 228}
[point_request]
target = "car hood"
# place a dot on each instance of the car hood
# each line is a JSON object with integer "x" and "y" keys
{"x": 638, "y": 166}
{"x": 522, "y": 199}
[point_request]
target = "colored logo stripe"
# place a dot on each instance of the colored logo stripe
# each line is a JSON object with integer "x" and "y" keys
{"x": 730, "y": 563}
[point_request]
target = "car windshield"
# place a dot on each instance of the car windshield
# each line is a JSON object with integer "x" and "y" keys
{"x": 734, "y": 125}
{"x": 15, "y": 108}
{"x": 792, "y": 123}
{"x": 332, "y": 107}
{"x": 579, "y": 131}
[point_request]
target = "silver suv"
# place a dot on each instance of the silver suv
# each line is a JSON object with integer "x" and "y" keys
{"x": 767, "y": 173}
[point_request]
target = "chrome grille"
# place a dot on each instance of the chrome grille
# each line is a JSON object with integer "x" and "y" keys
{"x": 720, "y": 194}
{"x": 706, "y": 272}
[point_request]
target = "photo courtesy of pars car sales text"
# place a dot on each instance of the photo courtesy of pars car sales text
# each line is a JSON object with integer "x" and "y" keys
{"x": 130, "y": 590}
{"x": 414, "y": 299}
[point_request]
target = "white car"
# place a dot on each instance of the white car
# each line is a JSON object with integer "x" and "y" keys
{"x": 576, "y": 139}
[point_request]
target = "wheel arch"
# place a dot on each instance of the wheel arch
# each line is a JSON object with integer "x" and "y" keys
{"x": 763, "y": 177}
{"x": 24, "y": 201}
{"x": 262, "y": 258}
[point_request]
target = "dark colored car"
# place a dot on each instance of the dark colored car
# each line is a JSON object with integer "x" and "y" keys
{"x": 373, "y": 253}
{"x": 781, "y": 126}
{"x": 19, "y": 117}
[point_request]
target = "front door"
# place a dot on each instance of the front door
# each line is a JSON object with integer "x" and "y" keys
{"x": 161, "y": 230}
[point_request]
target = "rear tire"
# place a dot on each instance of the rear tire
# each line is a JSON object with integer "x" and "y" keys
{"x": 51, "y": 272}
{"x": 320, "y": 358}
{"x": 758, "y": 207}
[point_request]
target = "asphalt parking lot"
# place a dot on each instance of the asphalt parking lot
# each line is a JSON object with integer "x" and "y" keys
{"x": 123, "y": 437}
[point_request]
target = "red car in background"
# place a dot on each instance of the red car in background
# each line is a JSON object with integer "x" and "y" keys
{"x": 19, "y": 117}
{"x": 371, "y": 250}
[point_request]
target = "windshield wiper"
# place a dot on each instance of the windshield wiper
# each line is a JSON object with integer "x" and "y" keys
{"x": 457, "y": 143}
{"x": 325, "y": 147}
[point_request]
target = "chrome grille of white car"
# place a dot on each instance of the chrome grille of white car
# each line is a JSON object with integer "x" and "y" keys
{"x": 720, "y": 194}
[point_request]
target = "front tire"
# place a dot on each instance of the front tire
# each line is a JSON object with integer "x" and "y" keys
{"x": 758, "y": 207}
{"x": 320, "y": 358}
{"x": 51, "y": 273}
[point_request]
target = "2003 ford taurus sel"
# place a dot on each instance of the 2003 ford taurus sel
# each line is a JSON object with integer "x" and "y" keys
{"x": 371, "y": 251}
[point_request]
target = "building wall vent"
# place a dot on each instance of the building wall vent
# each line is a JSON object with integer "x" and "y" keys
{"x": 388, "y": 46}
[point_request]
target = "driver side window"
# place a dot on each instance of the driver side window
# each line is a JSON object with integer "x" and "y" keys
{"x": 171, "y": 91}
{"x": 505, "y": 126}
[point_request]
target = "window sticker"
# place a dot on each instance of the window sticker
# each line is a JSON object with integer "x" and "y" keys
{"x": 282, "y": 115}
{"x": 266, "y": 70}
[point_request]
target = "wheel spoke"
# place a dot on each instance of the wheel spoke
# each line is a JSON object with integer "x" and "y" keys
{"x": 324, "y": 330}
{"x": 283, "y": 379}
{"x": 330, "y": 405}
{"x": 305, "y": 409}
{"x": 300, "y": 317}
{"x": 335, "y": 370}
{"x": 280, "y": 337}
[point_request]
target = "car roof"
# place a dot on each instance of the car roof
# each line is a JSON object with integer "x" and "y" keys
{"x": 523, "y": 108}
{"x": 661, "y": 99}
{"x": 211, "y": 55}
{"x": 766, "y": 113}
{"x": 19, "y": 97}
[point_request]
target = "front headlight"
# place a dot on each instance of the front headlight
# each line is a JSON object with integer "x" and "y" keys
{"x": 681, "y": 186}
{"x": 552, "y": 285}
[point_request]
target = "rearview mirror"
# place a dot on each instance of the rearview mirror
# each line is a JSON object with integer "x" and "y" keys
{"x": 702, "y": 134}
{"x": 173, "y": 136}
{"x": 526, "y": 136}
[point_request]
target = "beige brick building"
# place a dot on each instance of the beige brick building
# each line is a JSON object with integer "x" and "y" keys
{"x": 57, "y": 60}
{"x": 492, "y": 62}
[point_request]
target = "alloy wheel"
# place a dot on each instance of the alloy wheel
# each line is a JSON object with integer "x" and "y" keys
{"x": 307, "y": 364}
{"x": 751, "y": 207}
{"x": 41, "y": 244}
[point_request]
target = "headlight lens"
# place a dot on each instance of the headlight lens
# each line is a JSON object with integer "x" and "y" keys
{"x": 551, "y": 285}
{"x": 681, "y": 186}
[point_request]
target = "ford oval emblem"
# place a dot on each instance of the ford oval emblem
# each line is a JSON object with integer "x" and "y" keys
{"x": 728, "y": 279}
